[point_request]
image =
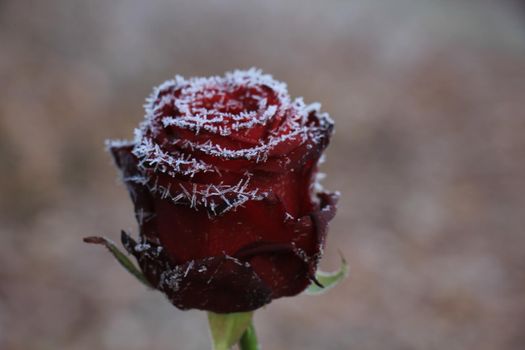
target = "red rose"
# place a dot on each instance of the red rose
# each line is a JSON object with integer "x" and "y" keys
{"x": 222, "y": 174}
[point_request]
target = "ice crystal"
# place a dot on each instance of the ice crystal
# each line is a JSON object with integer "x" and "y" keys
{"x": 170, "y": 279}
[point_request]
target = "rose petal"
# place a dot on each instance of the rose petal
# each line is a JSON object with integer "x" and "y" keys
{"x": 219, "y": 284}
{"x": 141, "y": 197}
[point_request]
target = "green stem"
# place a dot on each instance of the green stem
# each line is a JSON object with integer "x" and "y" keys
{"x": 249, "y": 339}
{"x": 226, "y": 329}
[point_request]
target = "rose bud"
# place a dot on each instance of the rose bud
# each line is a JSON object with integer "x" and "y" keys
{"x": 222, "y": 173}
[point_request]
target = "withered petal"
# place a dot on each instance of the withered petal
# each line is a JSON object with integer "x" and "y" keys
{"x": 220, "y": 284}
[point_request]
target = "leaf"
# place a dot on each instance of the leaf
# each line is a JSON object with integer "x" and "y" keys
{"x": 121, "y": 257}
{"x": 227, "y": 329}
{"x": 327, "y": 280}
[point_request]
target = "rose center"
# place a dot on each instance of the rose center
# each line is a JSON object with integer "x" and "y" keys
{"x": 238, "y": 103}
{"x": 239, "y": 112}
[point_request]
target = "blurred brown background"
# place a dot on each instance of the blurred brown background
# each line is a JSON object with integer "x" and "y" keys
{"x": 429, "y": 101}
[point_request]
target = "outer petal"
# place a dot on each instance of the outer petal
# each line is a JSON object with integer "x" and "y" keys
{"x": 188, "y": 234}
{"x": 289, "y": 268}
{"x": 320, "y": 219}
{"x": 220, "y": 284}
{"x": 281, "y": 266}
{"x": 141, "y": 197}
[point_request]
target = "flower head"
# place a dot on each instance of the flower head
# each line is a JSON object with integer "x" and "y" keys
{"x": 222, "y": 174}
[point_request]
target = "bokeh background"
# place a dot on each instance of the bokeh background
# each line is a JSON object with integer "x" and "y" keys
{"x": 429, "y": 101}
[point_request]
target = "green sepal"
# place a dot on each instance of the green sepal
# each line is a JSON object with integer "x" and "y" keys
{"x": 121, "y": 257}
{"x": 249, "y": 339}
{"x": 327, "y": 280}
{"x": 226, "y": 329}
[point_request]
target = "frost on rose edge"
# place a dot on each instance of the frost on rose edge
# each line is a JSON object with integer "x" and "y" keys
{"x": 151, "y": 154}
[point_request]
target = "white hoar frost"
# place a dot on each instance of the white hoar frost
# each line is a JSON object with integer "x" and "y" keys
{"x": 151, "y": 155}
{"x": 211, "y": 105}
{"x": 217, "y": 198}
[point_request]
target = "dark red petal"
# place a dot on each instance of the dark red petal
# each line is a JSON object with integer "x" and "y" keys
{"x": 220, "y": 284}
{"x": 140, "y": 195}
{"x": 190, "y": 234}
{"x": 283, "y": 267}
{"x": 326, "y": 212}
{"x": 286, "y": 274}
{"x": 320, "y": 219}
{"x": 288, "y": 268}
